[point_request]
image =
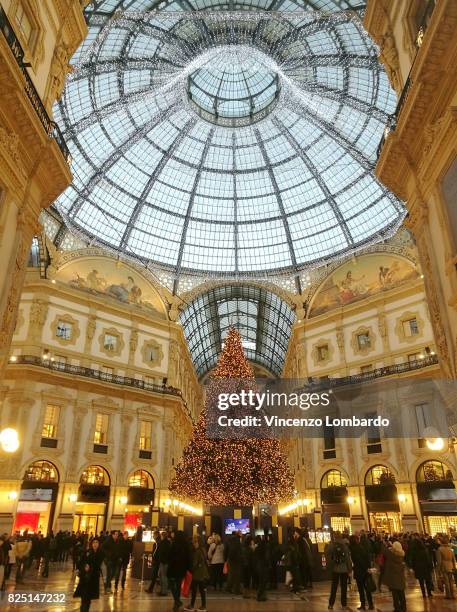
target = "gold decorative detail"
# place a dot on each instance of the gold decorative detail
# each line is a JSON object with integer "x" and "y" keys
{"x": 111, "y": 342}
{"x": 152, "y": 353}
{"x": 20, "y": 321}
{"x": 360, "y": 346}
{"x": 75, "y": 331}
{"x": 400, "y": 328}
{"x": 322, "y": 352}
{"x": 389, "y": 57}
{"x": 59, "y": 70}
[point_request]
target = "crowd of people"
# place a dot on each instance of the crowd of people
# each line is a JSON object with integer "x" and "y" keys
{"x": 241, "y": 564}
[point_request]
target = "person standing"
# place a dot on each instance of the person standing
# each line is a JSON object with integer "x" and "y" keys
{"x": 89, "y": 572}
{"x": 421, "y": 564}
{"x": 394, "y": 574}
{"x": 125, "y": 549}
{"x": 200, "y": 575}
{"x": 155, "y": 563}
{"x": 339, "y": 563}
{"x": 23, "y": 548}
{"x": 180, "y": 562}
{"x": 112, "y": 552}
{"x": 163, "y": 557}
{"x": 249, "y": 574}
{"x": 233, "y": 554}
{"x": 262, "y": 567}
{"x": 361, "y": 563}
{"x": 216, "y": 559}
{"x": 446, "y": 565}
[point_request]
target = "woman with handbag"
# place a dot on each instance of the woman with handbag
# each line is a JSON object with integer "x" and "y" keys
{"x": 200, "y": 575}
{"x": 361, "y": 563}
{"x": 216, "y": 559}
{"x": 89, "y": 572}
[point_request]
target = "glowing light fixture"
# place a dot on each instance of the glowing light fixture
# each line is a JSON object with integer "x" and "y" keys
{"x": 9, "y": 440}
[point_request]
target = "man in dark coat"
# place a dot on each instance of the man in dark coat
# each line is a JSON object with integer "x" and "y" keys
{"x": 180, "y": 562}
{"x": 361, "y": 563}
{"x": 421, "y": 563}
{"x": 112, "y": 551}
{"x": 125, "y": 547}
{"x": 233, "y": 555}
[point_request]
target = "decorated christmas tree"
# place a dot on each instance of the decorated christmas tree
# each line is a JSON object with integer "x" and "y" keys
{"x": 229, "y": 472}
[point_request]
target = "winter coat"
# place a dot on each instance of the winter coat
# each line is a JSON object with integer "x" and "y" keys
{"x": 113, "y": 549}
{"x": 89, "y": 581}
{"x": 180, "y": 560}
{"x": 394, "y": 570}
{"x": 162, "y": 553}
{"x": 23, "y": 548}
{"x": 200, "y": 571}
{"x": 345, "y": 566}
{"x": 445, "y": 559}
{"x": 361, "y": 560}
{"x": 233, "y": 551}
{"x": 420, "y": 560}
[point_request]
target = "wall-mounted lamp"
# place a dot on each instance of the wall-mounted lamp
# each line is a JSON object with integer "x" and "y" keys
{"x": 12, "y": 495}
{"x": 351, "y": 500}
{"x": 72, "y": 497}
{"x": 123, "y": 499}
{"x": 13, "y": 358}
{"x": 9, "y": 440}
{"x": 401, "y": 497}
{"x": 435, "y": 444}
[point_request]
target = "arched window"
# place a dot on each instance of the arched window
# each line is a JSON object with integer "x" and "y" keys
{"x": 432, "y": 471}
{"x": 141, "y": 478}
{"x": 94, "y": 475}
{"x": 43, "y": 471}
{"x": 333, "y": 478}
{"x": 379, "y": 475}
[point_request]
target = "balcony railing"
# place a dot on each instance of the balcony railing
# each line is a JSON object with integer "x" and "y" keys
{"x": 392, "y": 370}
{"x": 51, "y": 128}
{"x": 59, "y": 366}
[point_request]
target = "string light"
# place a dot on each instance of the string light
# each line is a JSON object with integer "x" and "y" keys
{"x": 225, "y": 472}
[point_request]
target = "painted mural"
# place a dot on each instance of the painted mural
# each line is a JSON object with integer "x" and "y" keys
{"x": 359, "y": 279}
{"x": 101, "y": 276}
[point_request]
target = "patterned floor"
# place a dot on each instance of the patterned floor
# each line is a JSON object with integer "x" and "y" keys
{"x": 135, "y": 599}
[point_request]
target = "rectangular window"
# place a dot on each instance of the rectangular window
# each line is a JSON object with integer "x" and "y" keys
{"x": 410, "y": 328}
{"x": 110, "y": 342}
{"x": 64, "y": 330}
{"x": 374, "y": 437}
{"x": 145, "y": 435}
{"x": 101, "y": 429}
{"x": 23, "y": 23}
{"x": 322, "y": 352}
{"x": 51, "y": 419}
{"x": 363, "y": 340}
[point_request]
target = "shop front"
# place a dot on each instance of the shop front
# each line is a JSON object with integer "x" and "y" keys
{"x": 437, "y": 497}
{"x": 92, "y": 503}
{"x": 140, "y": 500}
{"x": 382, "y": 500}
{"x": 37, "y": 499}
{"x": 335, "y": 508}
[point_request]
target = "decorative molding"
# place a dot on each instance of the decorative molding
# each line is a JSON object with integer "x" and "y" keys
{"x": 149, "y": 348}
{"x": 320, "y": 361}
{"x": 364, "y": 350}
{"x": 119, "y": 346}
{"x": 75, "y": 332}
{"x": 399, "y": 328}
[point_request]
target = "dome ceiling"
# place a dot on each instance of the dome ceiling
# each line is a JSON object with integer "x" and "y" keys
{"x": 231, "y": 142}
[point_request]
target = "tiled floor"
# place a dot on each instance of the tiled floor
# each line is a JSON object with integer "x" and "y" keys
{"x": 135, "y": 599}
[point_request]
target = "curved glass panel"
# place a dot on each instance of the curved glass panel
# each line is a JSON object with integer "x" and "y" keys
{"x": 229, "y": 142}
{"x": 262, "y": 318}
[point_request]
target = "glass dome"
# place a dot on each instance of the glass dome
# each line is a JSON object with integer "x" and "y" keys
{"x": 223, "y": 141}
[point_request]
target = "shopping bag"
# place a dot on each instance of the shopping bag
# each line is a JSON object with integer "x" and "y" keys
{"x": 225, "y": 568}
{"x": 185, "y": 584}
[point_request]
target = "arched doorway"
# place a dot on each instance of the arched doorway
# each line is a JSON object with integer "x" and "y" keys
{"x": 382, "y": 500}
{"x": 335, "y": 507}
{"x": 37, "y": 498}
{"x": 140, "y": 499}
{"x": 437, "y": 497}
{"x": 93, "y": 498}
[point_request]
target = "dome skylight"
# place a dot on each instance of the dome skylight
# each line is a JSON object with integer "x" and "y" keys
{"x": 227, "y": 142}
